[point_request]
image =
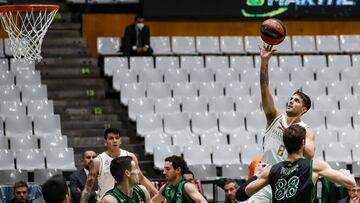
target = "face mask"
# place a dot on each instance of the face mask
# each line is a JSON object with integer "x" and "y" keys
{"x": 140, "y": 25}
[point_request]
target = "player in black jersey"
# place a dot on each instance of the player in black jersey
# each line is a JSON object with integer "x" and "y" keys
{"x": 294, "y": 180}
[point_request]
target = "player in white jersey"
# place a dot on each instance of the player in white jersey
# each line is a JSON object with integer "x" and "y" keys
{"x": 100, "y": 167}
{"x": 274, "y": 149}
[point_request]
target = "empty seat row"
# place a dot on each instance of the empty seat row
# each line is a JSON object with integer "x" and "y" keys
{"x": 32, "y": 142}
{"x": 30, "y": 159}
{"x": 20, "y": 78}
{"x": 15, "y": 65}
{"x": 33, "y": 108}
{"x": 181, "y": 45}
{"x": 27, "y": 93}
{"x": 10, "y": 176}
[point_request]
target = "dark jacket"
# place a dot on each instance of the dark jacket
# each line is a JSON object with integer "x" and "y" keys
{"x": 129, "y": 39}
{"x": 77, "y": 183}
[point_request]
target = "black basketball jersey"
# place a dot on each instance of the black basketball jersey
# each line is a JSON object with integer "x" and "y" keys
{"x": 291, "y": 182}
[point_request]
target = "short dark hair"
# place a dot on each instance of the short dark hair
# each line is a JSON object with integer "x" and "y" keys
{"x": 55, "y": 189}
{"x": 111, "y": 130}
{"x": 306, "y": 99}
{"x": 178, "y": 161}
{"x": 190, "y": 172}
{"x": 83, "y": 154}
{"x": 137, "y": 17}
{"x": 293, "y": 137}
{"x": 118, "y": 167}
{"x": 231, "y": 181}
{"x": 20, "y": 184}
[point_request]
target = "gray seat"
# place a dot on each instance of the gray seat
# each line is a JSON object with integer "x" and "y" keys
{"x": 123, "y": 76}
{"x": 327, "y": 43}
{"x": 303, "y": 44}
{"x": 191, "y": 62}
{"x": 6, "y": 160}
{"x": 160, "y": 45}
{"x": 4, "y": 141}
{"x": 161, "y": 152}
{"x": 207, "y": 44}
{"x": 241, "y": 62}
{"x": 231, "y": 122}
{"x": 9, "y": 93}
{"x": 47, "y": 125}
{"x": 41, "y": 175}
{"x": 221, "y": 104}
{"x": 149, "y": 123}
{"x": 167, "y": 62}
{"x": 53, "y": 141}
{"x": 176, "y": 75}
{"x": 60, "y": 158}
{"x": 18, "y": 126}
{"x": 226, "y": 154}
{"x": 156, "y": 139}
{"x": 30, "y": 159}
{"x": 235, "y": 171}
{"x": 12, "y": 108}
{"x": 6, "y": 77}
{"x": 140, "y": 63}
{"x": 202, "y": 123}
{"x": 183, "y": 44}
{"x": 108, "y": 45}
{"x": 40, "y": 108}
{"x": 185, "y": 89}
{"x": 194, "y": 105}
{"x": 197, "y": 154}
{"x": 217, "y": 62}
{"x": 27, "y": 77}
{"x": 33, "y": 92}
{"x": 140, "y": 106}
{"x": 16, "y": 65}
{"x": 23, "y": 142}
{"x": 132, "y": 91}
{"x": 10, "y": 176}
{"x": 115, "y": 63}
{"x": 176, "y": 123}
{"x": 231, "y": 44}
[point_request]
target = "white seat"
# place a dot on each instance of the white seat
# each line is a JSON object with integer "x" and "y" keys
{"x": 221, "y": 104}
{"x": 255, "y": 89}
{"x": 160, "y": 45}
{"x": 12, "y": 108}
{"x": 212, "y": 89}
{"x": 349, "y": 103}
{"x": 115, "y": 63}
{"x": 33, "y": 92}
{"x": 325, "y": 103}
{"x": 213, "y": 139}
{"x": 252, "y": 44}
{"x": 324, "y": 137}
{"x": 356, "y": 168}
{"x": 6, "y": 159}
{"x": 350, "y": 74}
{"x": 302, "y": 74}
{"x": 183, "y": 44}
{"x": 150, "y": 76}
{"x": 139, "y": 63}
{"x": 227, "y": 75}
{"x": 226, "y": 154}
{"x": 16, "y": 65}
{"x": 193, "y": 105}
{"x": 315, "y": 118}
{"x": 327, "y": 43}
{"x": 349, "y": 136}
{"x": 281, "y": 101}
{"x": 60, "y": 158}
{"x": 237, "y": 89}
{"x": 4, "y": 64}
{"x": 4, "y": 141}
{"x": 255, "y": 120}
{"x": 303, "y": 43}
{"x": 40, "y": 107}
{"x": 132, "y": 91}
{"x": 314, "y": 88}
{"x": 156, "y": 139}
{"x": 285, "y": 89}
{"x": 248, "y": 152}
{"x": 167, "y": 105}
{"x": 337, "y": 120}
{"x": 356, "y": 152}
{"x": 231, "y": 122}
{"x": 203, "y": 171}
{"x": 7, "y": 47}
{"x": 231, "y": 44}
{"x": 122, "y": 76}
{"x": 2, "y": 51}
{"x": 201, "y": 75}
{"x": 47, "y": 125}
{"x": 18, "y": 126}
{"x": 241, "y": 62}
{"x": 337, "y": 151}
{"x": 9, "y": 93}
{"x": 141, "y": 106}
{"x": 176, "y": 123}
{"x": 197, "y": 154}
{"x": 192, "y": 62}
{"x": 41, "y": 175}
{"x": 339, "y": 61}
{"x": 290, "y": 61}
{"x": 30, "y": 159}
{"x": 167, "y": 62}
{"x": 315, "y": 61}
{"x": 284, "y": 47}
{"x": 161, "y": 152}
{"x": 217, "y": 62}
{"x": 202, "y": 123}
{"x": 181, "y": 90}
{"x": 108, "y": 45}
{"x": 185, "y": 139}
{"x": 23, "y": 142}
{"x": 279, "y": 74}
{"x": 273, "y": 63}
{"x": 339, "y": 88}
{"x": 349, "y": 43}
{"x": 207, "y": 44}
{"x": 149, "y": 123}
{"x": 158, "y": 90}
{"x": 355, "y": 59}
{"x": 235, "y": 171}
{"x": 356, "y": 87}
{"x": 6, "y": 77}
{"x": 241, "y": 138}
{"x": 53, "y": 141}
{"x": 176, "y": 75}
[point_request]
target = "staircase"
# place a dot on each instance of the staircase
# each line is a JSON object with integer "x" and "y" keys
{"x": 85, "y": 99}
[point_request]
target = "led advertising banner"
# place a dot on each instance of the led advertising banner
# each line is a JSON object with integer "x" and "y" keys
{"x": 251, "y": 8}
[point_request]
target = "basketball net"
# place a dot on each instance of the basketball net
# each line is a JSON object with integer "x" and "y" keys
{"x": 26, "y": 30}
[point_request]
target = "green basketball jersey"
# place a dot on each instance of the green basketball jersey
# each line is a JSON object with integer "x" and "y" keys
{"x": 137, "y": 197}
{"x": 176, "y": 194}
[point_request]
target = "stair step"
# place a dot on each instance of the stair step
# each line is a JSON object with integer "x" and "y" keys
{"x": 63, "y": 33}
{"x": 75, "y": 72}
{"x": 108, "y": 117}
{"x": 77, "y": 94}
{"x": 71, "y": 83}
{"x": 67, "y": 51}
{"x": 67, "y": 61}
{"x": 64, "y": 42}
{"x": 84, "y": 102}
{"x": 68, "y": 125}
{"x": 96, "y": 110}
{"x": 65, "y": 26}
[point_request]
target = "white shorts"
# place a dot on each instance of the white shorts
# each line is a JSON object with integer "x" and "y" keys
{"x": 262, "y": 196}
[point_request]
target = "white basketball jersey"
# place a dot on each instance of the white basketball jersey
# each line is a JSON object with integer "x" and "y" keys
{"x": 105, "y": 180}
{"x": 274, "y": 149}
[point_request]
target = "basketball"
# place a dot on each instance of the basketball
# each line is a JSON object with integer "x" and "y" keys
{"x": 273, "y": 31}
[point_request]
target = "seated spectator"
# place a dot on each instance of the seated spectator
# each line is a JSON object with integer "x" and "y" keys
{"x": 20, "y": 193}
{"x": 230, "y": 187}
{"x": 353, "y": 195}
{"x": 136, "y": 40}
{"x": 189, "y": 176}
{"x": 55, "y": 190}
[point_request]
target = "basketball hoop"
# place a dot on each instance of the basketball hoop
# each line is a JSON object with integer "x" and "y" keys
{"x": 26, "y": 26}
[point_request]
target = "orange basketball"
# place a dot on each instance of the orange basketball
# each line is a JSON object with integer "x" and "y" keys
{"x": 273, "y": 31}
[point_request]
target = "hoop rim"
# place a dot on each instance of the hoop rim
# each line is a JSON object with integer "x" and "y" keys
{"x": 28, "y": 7}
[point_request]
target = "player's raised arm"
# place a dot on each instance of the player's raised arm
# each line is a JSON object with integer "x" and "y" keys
{"x": 268, "y": 104}
{"x": 193, "y": 193}
{"x": 94, "y": 167}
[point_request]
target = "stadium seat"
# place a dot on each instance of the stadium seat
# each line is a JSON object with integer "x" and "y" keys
{"x": 30, "y": 159}
{"x": 167, "y": 105}
{"x": 279, "y": 74}
{"x": 286, "y": 89}
{"x": 213, "y": 138}
{"x": 356, "y": 168}
{"x": 16, "y": 65}
{"x": 231, "y": 44}
{"x": 356, "y": 87}
{"x": 211, "y": 89}
{"x": 158, "y": 90}
{"x": 349, "y": 136}
{"x": 167, "y": 62}
{"x": 18, "y": 126}
{"x": 23, "y": 142}
{"x": 177, "y": 123}
{"x": 226, "y": 154}
{"x": 327, "y": 43}
{"x": 273, "y": 63}
{"x": 349, "y": 103}
{"x": 6, "y": 77}
{"x": 9, "y": 93}
{"x": 337, "y": 120}
{"x": 12, "y": 108}
{"x": 7, "y": 47}
{"x": 221, "y": 104}
{"x": 176, "y": 75}
{"x": 356, "y": 119}
{"x": 325, "y": 103}
{"x": 197, "y": 154}
{"x": 149, "y": 123}
{"x": 337, "y": 152}
{"x": 237, "y": 89}
{"x": 315, "y": 118}
{"x": 140, "y": 63}
{"x": 217, "y": 62}
{"x": 241, "y": 62}
{"x": 249, "y": 75}
{"x": 33, "y": 92}
{"x": 290, "y": 62}
{"x": 108, "y": 45}
{"x": 60, "y": 158}
{"x": 355, "y": 59}
{"x": 132, "y": 91}
{"x": 201, "y": 75}
{"x": 248, "y": 152}
{"x": 235, "y": 171}
{"x": 193, "y": 105}
{"x": 342, "y": 61}
{"x": 7, "y": 161}
{"x": 4, "y": 64}
{"x": 350, "y": 74}
{"x": 183, "y": 45}
{"x": 242, "y": 138}
{"x": 356, "y": 151}
{"x": 40, "y": 108}
{"x": 227, "y": 75}
{"x": 314, "y": 87}
{"x": 115, "y": 63}
{"x": 53, "y": 141}
{"x": 284, "y": 47}
{"x": 156, "y": 139}
{"x": 325, "y": 136}
{"x": 161, "y": 152}
{"x": 182, "y": 90}
{"x": 10, "y": 176}
{"x": 202, "y": 123}
{"x": 4, "y": 141}
{"x": 41, "y": 175}
{"x": 47, "y": 125}
{"x": 150, "y": 76}
{"x": 349, "y": 43}
{"x": 185, "y": 139}
{"x": 255, "y": 90}
{"x": 339, "y": 88}
{"x": 192, "y": 62}
{"x": 160, "y": 45}
{"x": 315, "y": 61}
{"x": 231, "y": 122}
{"x": 207, "y": 44}
{"x": 302, "y": 74}
{"x": 141, "y": 106}
{"x": 251, "y": 44}
{"x": 203, "y": 171}
{"x": 123, "y": 76}
{"x": 255, "y": 120}
{"x": 303, "y": 44}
